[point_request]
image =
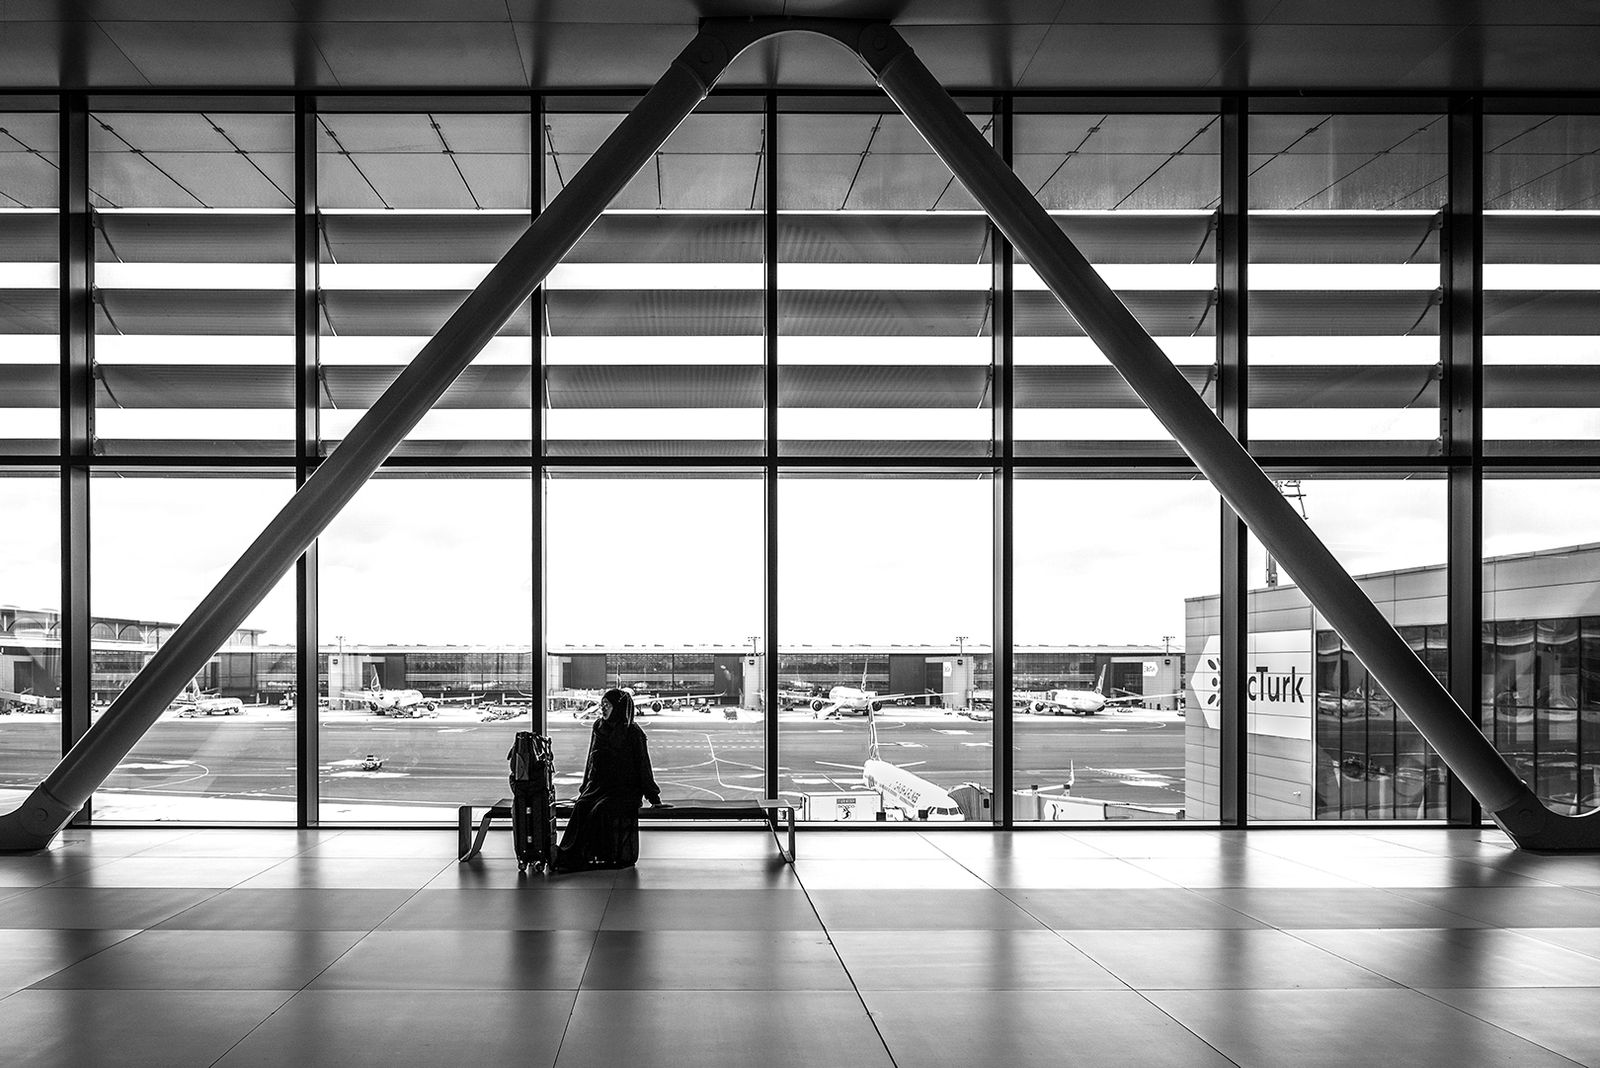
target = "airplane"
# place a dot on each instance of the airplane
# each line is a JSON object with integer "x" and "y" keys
{"x": 405, "y": 704}
{"x": 914, "y": 797}
{"x": 858, "y": 701}
{"x": 12, "y": 700}
{"x": 643, "y": 703}
{"x": 1085, "y": 702}
{"x": 196, "y": 702}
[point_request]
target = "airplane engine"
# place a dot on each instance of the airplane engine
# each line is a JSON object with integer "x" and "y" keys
{"x": 372, "y": 706}
{"x": 1038, "y": 708}
{"x": 432, "y": 705}
{"x": 877, "y": 706}
{"x": 655, "y": 706}
{"x": 818, "y": 704}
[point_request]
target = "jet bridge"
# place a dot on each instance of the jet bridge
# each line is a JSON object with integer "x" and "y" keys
{"x": 1065, "y": 271}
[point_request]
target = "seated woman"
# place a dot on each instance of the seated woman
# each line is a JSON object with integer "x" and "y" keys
{"x": 604, "y": 829}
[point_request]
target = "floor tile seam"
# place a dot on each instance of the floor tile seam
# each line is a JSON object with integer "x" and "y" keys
{"x": 855, "y": 988}
{"x": 588, "y": 962}
{"x": 1186, "y": 889}
{"x": 1532, "y": 932}
{"x": 1144, "y": 996}
{"x": 291, "y": 995}
{"x": 1477, "y": 920}
{"x": 1297, "y": 935}
{"x": 131, "y": 933}
{"x": 1424, "y": 992}
{"x": 1075, "y": 948}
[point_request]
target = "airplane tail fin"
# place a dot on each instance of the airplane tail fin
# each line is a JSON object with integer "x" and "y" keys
{"x": 872, "y": 733}
{"x": 1100, "y": 683}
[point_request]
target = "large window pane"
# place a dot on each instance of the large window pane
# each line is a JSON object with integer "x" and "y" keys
{"x": 884, "y": 299}
{"x": 881, "y": 611}
{"x": 225, "y": 750}
{"x": 1101, "y": 658}
{"x": 415, "y": 207}
{"x": 30, "y": 637}
{"x": 194, "y": 281}
{"x": 1138, "y": 195}
{"x": 1325, "y": 741}
{"x": 1541, "y": 634}
{"x": 426, "y": 637}
{"x": 1345, "y": 212}
{"x": 29, "y": 303}
{"x": 656, "y": 584}
{"x": 655, "y": 319}
{"x": 1541, "y": 313}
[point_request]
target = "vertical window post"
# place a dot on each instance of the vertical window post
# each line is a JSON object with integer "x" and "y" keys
{"x": 1461, "y": 413}
{"x": 77, "y": 420}
{"x": 769, "y": 259}
{"x": 308, "y": 444}
{"x": 1001, "y": 367}
{"x": 1232, "y": 403}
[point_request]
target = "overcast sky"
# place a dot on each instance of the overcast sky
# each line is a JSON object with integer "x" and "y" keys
{"x": 680, "y": 560}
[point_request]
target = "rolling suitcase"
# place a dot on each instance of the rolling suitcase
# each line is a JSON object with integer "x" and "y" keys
{"x": 533, "y": 818}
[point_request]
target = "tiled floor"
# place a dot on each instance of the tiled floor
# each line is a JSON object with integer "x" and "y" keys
{"x": 1273, "y": 947}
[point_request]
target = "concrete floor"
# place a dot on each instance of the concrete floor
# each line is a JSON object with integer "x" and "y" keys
{"x": 1272, "y": 947}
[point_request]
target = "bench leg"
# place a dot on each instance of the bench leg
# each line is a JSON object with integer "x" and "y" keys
{"x": 483, "y": 832}
{"x": 464, "y": 848}
{"x": 772, "y": 825}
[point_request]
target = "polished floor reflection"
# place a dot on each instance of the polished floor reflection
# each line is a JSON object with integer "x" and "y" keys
{"x": 1273, "y": 947}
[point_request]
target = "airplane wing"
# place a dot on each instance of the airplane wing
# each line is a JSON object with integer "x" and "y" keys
{"x": 847, "y": 767}
{"x": 1135, "y": 698}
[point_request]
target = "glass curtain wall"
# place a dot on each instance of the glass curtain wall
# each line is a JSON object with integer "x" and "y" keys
{"x": 1102, "y": 728}
{"x": 1541, "y": 634}
{"x": 193, "y": 216}
{"x": 655, "y": 585}
{"x": 885, "y": 302}
{"x": 224, "y": 751}
{"x": 650, "y": 346}
{"x": 30, "y": 313}
{"x": 1138, "y": 195}
{"x": 654, "y": 322}
{"x": 886, "y": 645}
{"x": 415, "y": 203}
{"x": 426, "y": 640}
{"x": 1541, "y": 316}
{"x": 30, "y": 629}
{"x": 1345, "y": 214}
{"x": 1326, "y": 742}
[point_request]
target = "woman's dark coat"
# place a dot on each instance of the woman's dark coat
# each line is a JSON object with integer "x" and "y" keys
{"x": 604, "y": 829}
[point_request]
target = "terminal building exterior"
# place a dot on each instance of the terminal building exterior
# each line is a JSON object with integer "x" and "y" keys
{"x": 1327, "y": 743}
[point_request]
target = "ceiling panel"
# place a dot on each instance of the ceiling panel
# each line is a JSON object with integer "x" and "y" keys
{"x": 657, "y": 386}
{"x": 215, "y": 237}
{"x": 220, "y": 53}
{"x": 444, "y": 54}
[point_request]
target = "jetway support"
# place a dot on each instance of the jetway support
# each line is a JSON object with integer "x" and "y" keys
{"x": 1091, "y": 302}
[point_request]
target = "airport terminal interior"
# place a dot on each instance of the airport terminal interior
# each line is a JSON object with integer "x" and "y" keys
{"x": 1124, "y": 478}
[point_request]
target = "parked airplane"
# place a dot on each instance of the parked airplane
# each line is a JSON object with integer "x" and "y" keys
{"x": 405, "y": 704}
{"x": 196, "y": 702}
{"x": 858, "y": 701}
{"x": 643, "y": 703}
{"x": 1086, "y": 702}
{"x": 901, "y": 789}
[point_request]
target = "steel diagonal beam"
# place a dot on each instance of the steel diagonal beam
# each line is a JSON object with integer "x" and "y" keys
{"x": 557, "y": 228}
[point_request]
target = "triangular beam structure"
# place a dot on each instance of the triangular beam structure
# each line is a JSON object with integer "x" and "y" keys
{"x": 1028, "y": 227}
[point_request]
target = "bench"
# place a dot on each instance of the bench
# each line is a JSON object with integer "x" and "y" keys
{"x": 769, "y": 811}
